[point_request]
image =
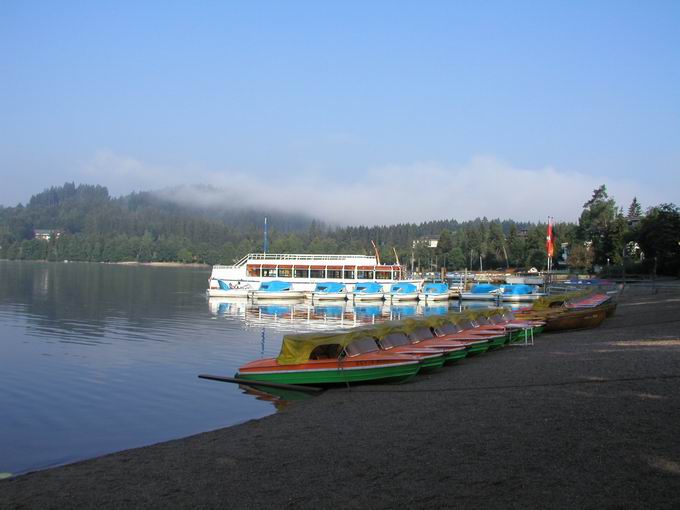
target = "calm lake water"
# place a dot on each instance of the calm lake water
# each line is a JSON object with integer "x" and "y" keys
{"x": 97, "y": 358}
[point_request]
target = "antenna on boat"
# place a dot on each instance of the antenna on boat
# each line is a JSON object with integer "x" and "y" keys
{"x": 377, "y": 253}
{"x": 266, "y": 241}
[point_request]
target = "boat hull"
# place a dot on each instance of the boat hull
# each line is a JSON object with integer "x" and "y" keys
{"x": 398, "y": 371}
{"x": 285, "y": 294}
{"x": 575, "y": 319}
{"x": 328, "y": 296}
{"x": 513, "y": 298}
{"x": 411, "y": 296}
{"x": 368, "y": 296}
{"x": 231, "y": 293}
{"x": 433, "y": 297}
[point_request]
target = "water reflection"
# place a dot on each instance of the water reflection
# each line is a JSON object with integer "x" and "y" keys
{"x": 99, "y": 357}
{"x": 295, "y": 315}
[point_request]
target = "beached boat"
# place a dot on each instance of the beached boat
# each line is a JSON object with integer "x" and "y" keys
{"x": 329, "y": 291}
{"x": 570, "y": 311}
{"x": 451, "y": 332}
{"x": 471, "y": 344}
{"x": 319, "y": 359}
{"x": 277, "y": 290}
{"x": 434, "y": 292}
{"x": 304, "y": 271}
{"x": 402, "y": 291}
{"x": 367, "y": 291}
{"x": 401, "y": 342}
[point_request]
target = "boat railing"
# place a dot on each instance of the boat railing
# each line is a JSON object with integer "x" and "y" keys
{"x": 294, "y": 256}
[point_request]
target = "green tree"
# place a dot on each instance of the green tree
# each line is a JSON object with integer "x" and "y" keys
{"x": 659, "y": 237}
{"x": 600, "y": 223}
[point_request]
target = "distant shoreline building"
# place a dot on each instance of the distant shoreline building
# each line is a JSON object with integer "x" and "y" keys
{"x": 429, "y": 241}
{"x": 43, "y": 234}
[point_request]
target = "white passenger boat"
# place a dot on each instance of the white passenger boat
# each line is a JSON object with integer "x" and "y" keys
{"x": 277, "y": 290}
{"x": 305, "y": 271}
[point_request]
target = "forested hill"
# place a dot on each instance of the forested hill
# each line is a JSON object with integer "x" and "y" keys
{"x": 144, "y": 227}
{"x": 84, "y": 222}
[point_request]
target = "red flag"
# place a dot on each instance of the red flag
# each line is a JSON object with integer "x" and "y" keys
{"x": 549, "y": 246}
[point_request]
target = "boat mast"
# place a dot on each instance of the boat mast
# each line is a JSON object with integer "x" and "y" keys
{"x": 266, "y": 241}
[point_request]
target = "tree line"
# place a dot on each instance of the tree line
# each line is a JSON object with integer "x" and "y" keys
{"x": 144, "y": 227}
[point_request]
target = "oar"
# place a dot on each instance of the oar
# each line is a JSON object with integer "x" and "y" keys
{"x": 265, "y": 384}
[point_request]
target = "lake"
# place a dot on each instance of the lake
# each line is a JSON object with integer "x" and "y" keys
{"x": 97, "y": 358}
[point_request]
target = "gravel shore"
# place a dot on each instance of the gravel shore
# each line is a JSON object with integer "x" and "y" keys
{"x": 584, "y": 419}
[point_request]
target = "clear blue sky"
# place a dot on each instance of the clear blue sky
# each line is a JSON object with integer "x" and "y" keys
{"x": 147, "y": 94}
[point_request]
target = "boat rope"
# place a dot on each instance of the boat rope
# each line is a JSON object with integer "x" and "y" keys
{"x": 341, "y": 360}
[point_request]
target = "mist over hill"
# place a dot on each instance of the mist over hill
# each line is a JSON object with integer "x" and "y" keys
{"x": 201, "y": 224}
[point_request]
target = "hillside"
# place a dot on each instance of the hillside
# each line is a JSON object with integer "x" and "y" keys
{"x": 85, "y": 223}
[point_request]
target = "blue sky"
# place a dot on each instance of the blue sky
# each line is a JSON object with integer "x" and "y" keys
{"x": 471, "y": 108}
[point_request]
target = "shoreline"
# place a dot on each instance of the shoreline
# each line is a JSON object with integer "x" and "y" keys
{"x": 582, "y": 419}
{"x": 194, "y": 265}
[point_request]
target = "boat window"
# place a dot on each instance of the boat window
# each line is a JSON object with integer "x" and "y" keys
{"x": 268, "y": 272}
{"x": 326, "y": 352}
{"x": 364, "y": 275}
{"x": 361, "y": 346}
{"x": 383, "y": 275}
{"x": 301, "y": 273}
{"x": 349, "y": 274}
{"x": 286, "y": 273}
{"x": 334, "y": 273}
{"x": 316, "y": 273}
{"x": 394, "y": 340}
{"x": 420, "y": 334}
{"x": 253, "y": 271}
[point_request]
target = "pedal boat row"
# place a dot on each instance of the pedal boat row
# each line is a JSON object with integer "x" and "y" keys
{"x": 334, "y": 291}
{"x": 389, "y": 351}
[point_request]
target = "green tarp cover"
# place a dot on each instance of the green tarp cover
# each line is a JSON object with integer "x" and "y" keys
{"x": 296, "y": 348}
{"x": 546, "y": 301}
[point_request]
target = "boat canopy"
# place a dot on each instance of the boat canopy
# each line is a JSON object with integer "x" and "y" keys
{"x": 518, "y": 288}
{"x": 275, "y": 286}
{"x": 557, "y": 300}
{"x": 435, "y": 288}
{"x": 403, "y": 288}
{"x": 329, "y": 287}
{"x": 368, "y": 287}
{"x": 296, "y": 348}
{"x": 484, "y": 288}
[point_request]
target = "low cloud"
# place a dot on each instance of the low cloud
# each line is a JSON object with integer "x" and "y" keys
{"x": 484, "y": 186}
